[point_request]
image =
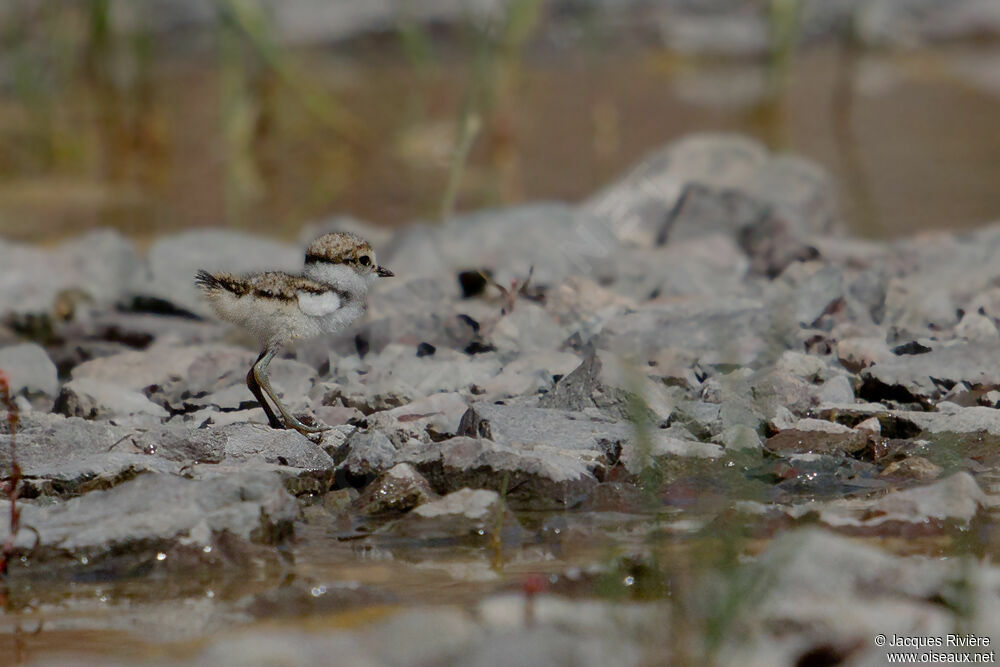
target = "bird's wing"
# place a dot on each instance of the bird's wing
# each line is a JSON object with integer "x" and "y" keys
{"x": 319, "y": 304}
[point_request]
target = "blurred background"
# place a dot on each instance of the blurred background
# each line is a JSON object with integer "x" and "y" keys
{"x": 157, "y": 115}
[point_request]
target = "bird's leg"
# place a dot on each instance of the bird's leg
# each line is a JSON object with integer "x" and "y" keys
{"x": 291, "y": 421}
{"x": 254, "y": 387}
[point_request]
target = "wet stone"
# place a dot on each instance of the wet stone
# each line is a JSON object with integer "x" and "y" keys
{"x": 154, "y": 513}
{"x": 399, "y": 489}
{"x": 464, "y": 514}
{"x": 817, "y": 442}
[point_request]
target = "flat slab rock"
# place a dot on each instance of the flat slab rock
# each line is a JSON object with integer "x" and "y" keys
{"x": 930, "y": 375}
{"x": 68, "y": 456}
{"x": 560, "y": 429}
{"x": 156, "y": 513}
{"x": 533, "y": 475}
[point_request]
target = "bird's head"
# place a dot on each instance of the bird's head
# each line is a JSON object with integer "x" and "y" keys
{"x": 343, "y": 249}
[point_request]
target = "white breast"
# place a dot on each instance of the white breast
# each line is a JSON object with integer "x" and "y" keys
{"x": 319, "y": 305}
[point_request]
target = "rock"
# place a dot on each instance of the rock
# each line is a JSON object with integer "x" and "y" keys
{"x": 662, "y": 444}
{"x": 435, "y": 417}
{"x": 248, "y": 442}
{"x": 558, "y": 429}
{"x": 857, "y": 353}
{"x": 913, "y": 467}
{"x": 399, "y": 489}
{"x": 157, "y": 513}
{"x": 816, "y": 290}
{"x": 974, "y": 327}
{"x": 363, "y": 455}
{"x": 533, "y": 475}
{"x": 929, "y": 376}
{"x": 29, "y": 370}
{"x": 725, "y": 166}
{"x": 201, "y": 367}
{"x": 397, "y": 376}
{"x": 817, "y": 442}
{"x": 740, "y": 437}
{"x": 528, "y": 328}
{"x": 463, "y": 514}
{"x": 173, "y": 260}
{"x": 94, "y": 399}
{"x": 956, "y": 497}
{"x": 64, "y": 457}
{"x": 605, "y": 382}
{"x": 836, "y": 390}
{"x": 101, "y": 264}
{"x": 699, "y": 331}
{"x": 529, "y": 374}
{"x": 578, "y": 299}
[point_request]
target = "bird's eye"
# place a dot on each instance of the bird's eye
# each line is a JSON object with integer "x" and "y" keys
{"x": 365, "y": 260}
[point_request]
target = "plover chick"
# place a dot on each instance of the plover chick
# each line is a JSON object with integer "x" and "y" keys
{"x": 279, "y": 308}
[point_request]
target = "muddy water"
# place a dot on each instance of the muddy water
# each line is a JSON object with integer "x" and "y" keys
{"x": 911, "y": 138}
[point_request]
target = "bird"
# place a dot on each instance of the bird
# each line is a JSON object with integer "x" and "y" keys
{"x": 280, "y": 308}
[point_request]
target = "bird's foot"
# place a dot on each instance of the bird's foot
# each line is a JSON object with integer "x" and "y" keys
{"x": 308, "y": 430}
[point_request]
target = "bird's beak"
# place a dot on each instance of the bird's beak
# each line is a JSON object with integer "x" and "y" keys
{"x": 384, "y": 272}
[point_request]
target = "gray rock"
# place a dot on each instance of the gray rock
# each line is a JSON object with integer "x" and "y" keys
{"x": 529, "y": 374}
{"x": 606, "y": 382}
{"x": 93, "y": 399}
{"x": 399, "y": 489}
{"x": 157, "y": 513}
{"x": 861, "y": 352}
{"x": 397, "y": 376}
{"x": 974, "y": 327}
{"x": 364, "y": 454}
{"x": 836, "y": 390}
{"x": 926, "y": 377}
{"x": 101, "y": 264}
{"x": 561, "y": 429}
{"x": 29, "y": 369}
{"x": 533, "y": 475}
{"x": 466, "y": 513}
{"x": 754, "y": 183}
{"x": 246, "y": 442}
{"x": 698, "y": 331}
{"x": 432, "y": 418}
{"x": 61, "y": 456}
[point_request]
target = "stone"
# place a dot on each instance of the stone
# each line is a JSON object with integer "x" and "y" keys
{"x": 466, "y": 513}
{"x": 974, "y": 327}
{"x": 65, "y": 457}
{"x": 604, "y": 381}
{"x": 836, "y": 390}
{"x": 701, "y": 331}
{"x": 158, "y": 513}
{"x": 913, "y": 467}
{"x": 857, "y": 353}
{"x": 363, "y": 455}
{"x": 532, "y": 475}
{"x": 100, "y": 264}
{"x": 817, "y": 442}
{"x": 559, "y": 429}
{"x": 29, "y": 370}
{"x": 94, "y": 399}
{"x": 925, "y": 377}
{"x": 529, "y": 374}
{"x": 397, "y": 376}
{"x": 740, "y": 437}
{"x": 399, "y": 489}
{"x": 637, "y": 455}
{"x": 435, "y": 417}
{"x": 527, "y": 328}
{"x": 956, "y": 497}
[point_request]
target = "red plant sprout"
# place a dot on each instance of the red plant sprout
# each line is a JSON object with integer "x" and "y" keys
{"x": 532, "y": 586}
{"x": 11, "y": 486}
